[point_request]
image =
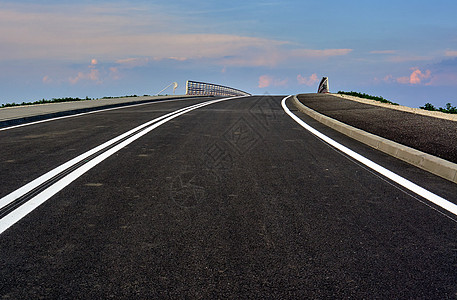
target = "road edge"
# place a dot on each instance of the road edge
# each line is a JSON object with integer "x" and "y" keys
{"x": 127, "y": 101}
{"x": 427, "y": 162}
{"x": 417, "y": 111}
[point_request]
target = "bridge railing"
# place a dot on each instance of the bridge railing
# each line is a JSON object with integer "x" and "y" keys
{"x": 209, "y": 89}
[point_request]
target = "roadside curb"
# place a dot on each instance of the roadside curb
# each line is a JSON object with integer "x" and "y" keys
{"x": 417, "y": 111}
{"x": 430, "y": 163}
{"x": 102, "y": 104}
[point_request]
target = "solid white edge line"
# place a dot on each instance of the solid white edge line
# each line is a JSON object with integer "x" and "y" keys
{"x": 90, "y": 112}
{"x": 441, "y": 202}
{"x": 39, "y": 199}
{"x": 33, "y": 184}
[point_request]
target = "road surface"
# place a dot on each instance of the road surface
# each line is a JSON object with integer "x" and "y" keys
{"x": 230, "y": 200}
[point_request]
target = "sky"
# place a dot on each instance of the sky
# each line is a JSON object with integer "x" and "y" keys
{"x": 404, "y": 51}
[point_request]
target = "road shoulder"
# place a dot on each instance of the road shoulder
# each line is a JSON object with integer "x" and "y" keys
{"x": 430, "y": 163}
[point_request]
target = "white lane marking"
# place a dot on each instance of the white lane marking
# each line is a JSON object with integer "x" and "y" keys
{"x": 39, "y": 199}
{"x": 38, "y": 181}
{"x": 441, "y": 202}
{"x": 90, "y": 112}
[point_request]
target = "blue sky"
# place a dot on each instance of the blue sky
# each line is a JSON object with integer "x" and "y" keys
{"x": 405, "y": 51}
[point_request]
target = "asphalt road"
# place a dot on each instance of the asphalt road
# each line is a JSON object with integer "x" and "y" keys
{"x": 231, "y": 200}
{"x": 435, "y": 136}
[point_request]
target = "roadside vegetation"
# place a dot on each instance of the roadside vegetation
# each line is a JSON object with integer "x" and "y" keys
{"x": 57, "y": 100}
{"x": 43, "y": 101}
{"x": 127, "y": 96}
{"x": 449, "y": 108}
{"x": 366, "y": 96}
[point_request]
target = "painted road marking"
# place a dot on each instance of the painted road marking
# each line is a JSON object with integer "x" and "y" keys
{"x": 91, "y": 112}
{"x": 441, "y": 202}
{"x": 40, "y": 180}
{"x": 111, "y": 147}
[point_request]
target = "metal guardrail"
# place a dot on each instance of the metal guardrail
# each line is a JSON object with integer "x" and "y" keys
{"x": 209, "y": 89}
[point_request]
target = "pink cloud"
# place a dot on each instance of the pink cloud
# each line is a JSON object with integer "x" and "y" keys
{"x": 133, "y": 62}
{"x": 92, "y": 75}
{"x": 282, "y": 82}
{"x": 266, "y": 81}
{"x": 51, "y": 34}
{"x": 408, "y": 58}
{"x": 320, "y": 53}
{"x": 309, "y": 81}
{"x": 451, "y": 53}
{"x": 47, "y": 79}
{"x": 443, "y": 79}
{"x": 403, "y": 80}
{"x": 255, "y": 58}
{"x": 383, "y": 52}
{"x": 416, "y": 77}
{"x": 114, "y": 73}
{"x": 178, "y": 58}
{"x": 388, "y": 78}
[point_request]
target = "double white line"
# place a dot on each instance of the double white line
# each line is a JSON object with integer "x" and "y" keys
{"x": 22, "y": 201}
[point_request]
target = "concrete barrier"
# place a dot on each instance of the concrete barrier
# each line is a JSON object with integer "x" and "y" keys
{"x": 430, "y": 163}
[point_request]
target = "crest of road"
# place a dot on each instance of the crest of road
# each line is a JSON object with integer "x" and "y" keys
{"x": 216, "y": 197}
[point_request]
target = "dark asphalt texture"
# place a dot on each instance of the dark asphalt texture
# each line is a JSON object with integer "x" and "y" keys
{"x": 234, "y": 200}
{"x": 28, "y": 152}
{"x": 431, "y": 135}
{"x": 69, "y": 112}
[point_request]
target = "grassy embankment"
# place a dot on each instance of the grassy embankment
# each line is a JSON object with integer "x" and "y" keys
{"x": 428, "y": 106}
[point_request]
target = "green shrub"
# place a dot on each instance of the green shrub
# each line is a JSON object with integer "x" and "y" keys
{"x": 43, "y": 101}
{"x": 449, "y": 108}
{"x": 428, "y": 106}
{"x": 57, "y": 100}
{"x": 366, "y": 96}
